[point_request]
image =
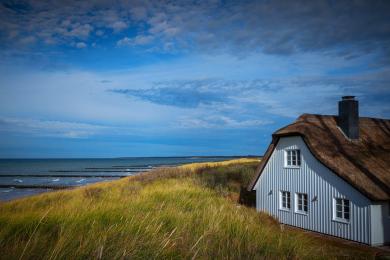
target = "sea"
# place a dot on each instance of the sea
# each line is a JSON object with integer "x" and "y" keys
{"x": 25, "y": 177}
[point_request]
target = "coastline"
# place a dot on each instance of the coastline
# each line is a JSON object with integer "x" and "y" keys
{"x": 189, "y": 211}
{"x": 22, "y": 178}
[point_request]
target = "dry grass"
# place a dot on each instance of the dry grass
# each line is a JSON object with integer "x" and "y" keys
{"x": 172, "y": 213}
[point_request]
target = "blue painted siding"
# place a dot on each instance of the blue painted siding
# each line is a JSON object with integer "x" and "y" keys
{"x": 317, "y": 181}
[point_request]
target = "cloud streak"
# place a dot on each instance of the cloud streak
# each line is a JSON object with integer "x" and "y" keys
{"x": 220, "y": 122}
{"x": 278, "y": 97}
{"x": 51, "y": 128}
{"x": 184, "y": 94}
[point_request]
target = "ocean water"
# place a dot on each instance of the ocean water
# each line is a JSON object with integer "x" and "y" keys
{"x": 24, "y": 177}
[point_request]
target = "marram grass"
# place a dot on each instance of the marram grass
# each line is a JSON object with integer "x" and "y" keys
{"x": 166, "y": 214}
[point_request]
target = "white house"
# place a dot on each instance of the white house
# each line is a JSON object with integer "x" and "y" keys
{"x": 330, "y": 174}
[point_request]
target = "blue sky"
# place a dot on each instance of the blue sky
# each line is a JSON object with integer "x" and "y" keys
{"x": 164, "y": 78}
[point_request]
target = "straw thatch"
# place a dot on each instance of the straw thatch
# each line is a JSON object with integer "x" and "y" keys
{"x": 364, "y": 163}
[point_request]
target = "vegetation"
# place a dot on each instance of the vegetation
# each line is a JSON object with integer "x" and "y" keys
{"x": 184, "y": 212}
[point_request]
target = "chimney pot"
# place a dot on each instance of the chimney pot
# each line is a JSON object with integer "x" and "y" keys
{"x": 348, "y": 98}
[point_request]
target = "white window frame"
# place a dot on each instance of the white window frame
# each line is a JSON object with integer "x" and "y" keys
{"x": 343, "y": 211}
{"x": 295, "y": 156}
{"x": 301, "y": 198}
{"x": 281, "y": 198}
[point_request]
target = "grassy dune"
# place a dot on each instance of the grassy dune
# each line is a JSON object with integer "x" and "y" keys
{"x": 185, "y": 212}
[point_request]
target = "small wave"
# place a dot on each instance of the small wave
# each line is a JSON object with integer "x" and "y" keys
{"x": 55, "y": 180}
{"x": 18, "y": 180}
{"x": 6, "y": 190}
{"x": 79, "y": 181}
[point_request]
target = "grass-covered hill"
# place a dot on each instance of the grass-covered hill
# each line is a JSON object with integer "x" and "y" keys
{"x": 188, "y": 212}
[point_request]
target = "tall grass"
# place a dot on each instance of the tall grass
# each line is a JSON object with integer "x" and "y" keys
{"x": 173, "y": 213}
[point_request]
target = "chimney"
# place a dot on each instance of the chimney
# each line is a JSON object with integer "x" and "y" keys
{"x": 348, "y": 119}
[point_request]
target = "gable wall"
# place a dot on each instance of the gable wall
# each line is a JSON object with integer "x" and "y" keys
{"x": 318, "y": 181}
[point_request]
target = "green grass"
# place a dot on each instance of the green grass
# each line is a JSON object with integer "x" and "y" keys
{"x": 177, "y": 213}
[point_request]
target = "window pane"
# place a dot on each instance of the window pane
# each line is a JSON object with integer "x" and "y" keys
{"x": 288, "y": 157}
{"x": 342, "y": 209}
{"x": 288, "y": 199}
{"x": 285, "y": 199}
{"x": 293, "y": 157}
{"x": 302, "y": 202}
{"x": 346, "y": 209}
{"x": 298, "y": 157}
{"x": 305, "y": 202}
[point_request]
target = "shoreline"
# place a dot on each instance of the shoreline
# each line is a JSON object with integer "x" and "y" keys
{"x": 9, "y": 190}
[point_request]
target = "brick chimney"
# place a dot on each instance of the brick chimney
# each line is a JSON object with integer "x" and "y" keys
{"x": 348, "y": 119}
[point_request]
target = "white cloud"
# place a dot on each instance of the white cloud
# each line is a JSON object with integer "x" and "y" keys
{"x": 242, "y": 101}
{"x": 138, "y": 40}
{"x": 221, "y": 122}
{"x": 239, "y": 27}
{"x": 124, "y": 42}
{"x": 142, "y": 39}
{"x": 80, "y": 31}
{"x": 118, "y": 26}
{"x": 81, "y": 45}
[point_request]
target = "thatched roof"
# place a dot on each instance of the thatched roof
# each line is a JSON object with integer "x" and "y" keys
{"x": 364, "y": 163}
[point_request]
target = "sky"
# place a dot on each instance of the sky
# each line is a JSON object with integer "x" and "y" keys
{"x": 179, "y": 78}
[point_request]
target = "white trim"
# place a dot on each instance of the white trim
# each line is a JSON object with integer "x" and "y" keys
{"x": 337, "y": 219}
{"x": 281, "y": 200}
{"x": 297, "y": 159}
{"x": 292, "y": 167}
{"x": 302, "y": 212}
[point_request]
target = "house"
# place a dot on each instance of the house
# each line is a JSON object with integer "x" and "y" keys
{"x": 329, "y": 174}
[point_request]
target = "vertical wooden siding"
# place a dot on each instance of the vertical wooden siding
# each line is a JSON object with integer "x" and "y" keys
{"x": 318, "y": 182}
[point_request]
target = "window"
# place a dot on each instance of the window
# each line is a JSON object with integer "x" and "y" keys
{"x": 285, "y": 200}
{"x": 301, "y": 203}
{"x": 341, "y": 209}
{"x": 293, "y": 158}
{"x": 388, "y": 208}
